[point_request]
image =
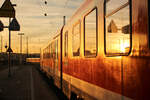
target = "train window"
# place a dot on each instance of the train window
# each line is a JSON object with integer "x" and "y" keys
{"x": 76, "y": 40}
{"x": 43, "y": 54}
{"x": 56, "y": 49}
{"x": 52, "y": 50}
{"x": 90, "y": 29}
{"x": 117, "y": 27}
{"x": 66, "y": 44}
{"x": 49, "y": 51}
{"x": 56, "y": 54}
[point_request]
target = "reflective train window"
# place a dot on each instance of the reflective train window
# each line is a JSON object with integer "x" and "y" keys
{"x": 51, "y": 52}
{"x": 44, "y": 53}
{"x": 76, "y": 40}
{"x": 117, "y": 27}
{"x": 66, "y": 44}
{"x": 48, "y": 52}
{"x": 56, "y": 49}
{"x": 90, "y": 29}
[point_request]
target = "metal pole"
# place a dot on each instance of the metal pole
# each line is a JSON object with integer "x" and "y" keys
{"x": 27, "y": 46}
{"x": 20, "y": 49}
{"x": 61, "y": 57}
{"x": 9, "y": 55}
{"x": 20, "y": 46}
{"x": 64, "y": 20}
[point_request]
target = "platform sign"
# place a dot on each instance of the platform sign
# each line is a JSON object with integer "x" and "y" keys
{"x": 9, "y": 50}
{"x": 7, "y": 9}
{"x": 14, "y": 25}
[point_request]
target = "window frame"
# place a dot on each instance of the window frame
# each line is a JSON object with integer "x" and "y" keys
{"x": 77, "y": 23}
{"x": 65, "y": 49}
{"x": 130, "y": 22}
{"x": 92, "y": 56}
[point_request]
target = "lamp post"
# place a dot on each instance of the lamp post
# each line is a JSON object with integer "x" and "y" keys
{"x": 21, "y": 34}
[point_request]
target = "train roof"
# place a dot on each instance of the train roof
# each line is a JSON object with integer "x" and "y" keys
{"x": 81, "y": 9}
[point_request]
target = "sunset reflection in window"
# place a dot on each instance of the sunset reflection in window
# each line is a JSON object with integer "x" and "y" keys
{"x": 90, "y": 34}
{"x": 117, "y": 27}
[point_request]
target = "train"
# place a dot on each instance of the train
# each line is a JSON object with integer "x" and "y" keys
{"x": 33, "y": 60}
{"x": 102, "y": 52}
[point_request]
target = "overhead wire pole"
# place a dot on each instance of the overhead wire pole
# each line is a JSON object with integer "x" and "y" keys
{"x": 27, "y": 46}
{"x": 20, "y": 46}
{"x": 61, "y": 55}
{"x": 61, "y": 49}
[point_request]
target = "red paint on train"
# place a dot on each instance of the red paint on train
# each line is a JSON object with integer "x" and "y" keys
{"x": 124, "y": 77}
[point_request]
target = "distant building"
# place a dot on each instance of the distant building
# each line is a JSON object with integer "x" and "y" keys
{"x": 126, "y": 29}
{"x": 112, "y": 28}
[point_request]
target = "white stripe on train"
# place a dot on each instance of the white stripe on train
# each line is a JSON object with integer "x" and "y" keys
{"x": 93, "y": 90}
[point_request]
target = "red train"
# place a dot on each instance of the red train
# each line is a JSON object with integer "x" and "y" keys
{"x": 105, "y": 52}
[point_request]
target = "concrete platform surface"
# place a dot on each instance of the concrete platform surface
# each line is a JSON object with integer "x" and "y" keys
{"x": 25, "y": 83}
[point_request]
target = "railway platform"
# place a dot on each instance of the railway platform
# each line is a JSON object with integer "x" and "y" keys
{"x": 25, "y": 83}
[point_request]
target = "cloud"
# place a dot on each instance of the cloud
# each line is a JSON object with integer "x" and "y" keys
{"x": 30, "y": 15}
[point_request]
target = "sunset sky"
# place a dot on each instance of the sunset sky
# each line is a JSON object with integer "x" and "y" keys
{"x": 39, "y": 28}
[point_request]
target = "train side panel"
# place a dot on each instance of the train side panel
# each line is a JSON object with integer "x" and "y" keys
{"x": 136, "y": 68}
{"x": 87, "y": 77}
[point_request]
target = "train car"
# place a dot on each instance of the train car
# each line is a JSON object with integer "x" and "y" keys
{"x": 33, "y": 60}
{"x": 105, "y": 52}
{"x": 50, "y": 60}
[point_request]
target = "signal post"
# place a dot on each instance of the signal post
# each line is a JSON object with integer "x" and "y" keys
{"x": 7, "y": 10}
